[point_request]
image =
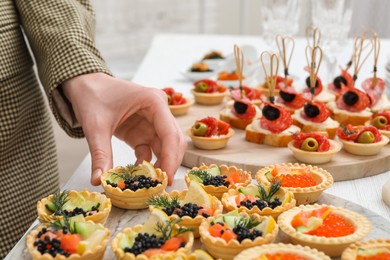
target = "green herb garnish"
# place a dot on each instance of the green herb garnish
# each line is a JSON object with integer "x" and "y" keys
{"x": 167, "y": 228}
{"x": 266, "y": 196}
{"x": 163, "y": 201}
{"x": 247, "y": 222}
{"x": 58, "y": 202}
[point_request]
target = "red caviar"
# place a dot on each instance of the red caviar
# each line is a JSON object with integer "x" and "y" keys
{"x": 334, "y": 226}
{"x": 288, "y": 256}
{"x": 379, "y": 256}
{"x": 297, "y": 180}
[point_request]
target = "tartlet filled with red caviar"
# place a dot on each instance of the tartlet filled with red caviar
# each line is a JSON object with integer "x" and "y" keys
{"x": 68, "y": 238}
{"x": 192, "y": 206}
{"x": 381, "y": 120}
{"x": 158, "y": 238}
{"x": 315, "y": 117}
{"x": 305, "y": 181}
{"x": 327, "y": 228}
{"x": 313, "y": 148}
{"x": 209, "y": 92}
{"x": 178, "y": 104}
{"x": 281, "y": 252}
{"x": 368, "y": 250}
{"x": 218, "y": 179}
{"x": 265, "y": 200}
{"x": 129, "y": 187}
{"x": 361, "y": 140}
{"x": 229, "y": 234}
{"x": 210, "y": 133}
{"x": 93, "y": 206}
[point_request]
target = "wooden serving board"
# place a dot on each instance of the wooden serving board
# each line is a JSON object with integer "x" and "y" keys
{"x": 251, "y": 157}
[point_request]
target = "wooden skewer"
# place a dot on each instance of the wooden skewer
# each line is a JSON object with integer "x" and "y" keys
{"x": 314, "y": 34}
{"x": 377, "y": 47}
{"x": 283, "y": 53}
{"x": 357, "y": 61}
{"x": 314, "y": 64}
{"x": 239, "y": 57}
{"x": 273, "y": 72}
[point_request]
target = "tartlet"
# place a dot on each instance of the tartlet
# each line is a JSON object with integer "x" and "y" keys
{"x": 302, "y": 195}
{"x": 85, "y": 200}
{"x": 244, "y": 177}
{"x": 381, "y": 120}
{"x": 315, "y": 157}
{"x": 129, "y": 199}
{"x": 306, "y": 253}
{"x": 94, "y": 241}
{"x": 129, "y": 232}
{"x": 357, "y": 226}
{"x": 221, "y": 249}
{"x": 179, "y": 110}
{"x": 209, "y": 92}
{"x": 177, "y": 103}
{"x": 188, "y": 221}
{"x": 285, "y": 200}
{"x": 371, "y": 248}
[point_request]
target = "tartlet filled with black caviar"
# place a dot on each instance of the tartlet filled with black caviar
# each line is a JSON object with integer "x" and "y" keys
{"x": 129, "y": 187}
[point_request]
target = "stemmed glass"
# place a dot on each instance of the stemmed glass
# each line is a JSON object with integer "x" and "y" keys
{"x": 333, "y": 18}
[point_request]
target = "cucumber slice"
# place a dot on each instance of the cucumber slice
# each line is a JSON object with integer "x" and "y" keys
{"x": 50, "y": 207}
{"x": 86, "y": 229}
{"x": 195, "y": 178}
{"x": 127, "y": 241}
{"x": 230, "y": 220}
{"x": 214, "y": 171}
{"x": 269, "y": 175}
{"x": 253, "y": 190}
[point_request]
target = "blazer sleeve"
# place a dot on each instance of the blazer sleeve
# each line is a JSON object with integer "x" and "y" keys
{"x": 61, "y": 36}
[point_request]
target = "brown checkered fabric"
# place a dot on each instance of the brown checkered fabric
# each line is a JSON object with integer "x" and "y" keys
{"x": 60, "y": 33}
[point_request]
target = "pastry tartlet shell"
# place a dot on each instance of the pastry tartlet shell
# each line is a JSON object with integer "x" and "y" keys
{"x": 333, "y": 246}
{"x": 315, "y": 157}
{"x": 309, "y": 253}
{"x": 120, "y": 254}
{"x": 302, "y": 195}
{"x": 96, "y": 253}
{"x": 225, "y": 170}
{"x": 210, "y": 143}
{"x": 179, "y": 110}
{"x": 209, "y": 98}
{"x": 219, "y": 248}
{"x": 264, "y": 212}
{"x": 351, "y": 251}
{"x": 189, "y": 222}
{"x": 364, "y": 149}
{"x": 100, "y": 217}
{"x": 129, "y": 199}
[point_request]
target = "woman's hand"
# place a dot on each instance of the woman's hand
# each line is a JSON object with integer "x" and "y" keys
{"x": 140, "y": 116}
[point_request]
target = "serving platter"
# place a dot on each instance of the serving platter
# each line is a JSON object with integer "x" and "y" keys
{"x": 120, "y": 219}
{"x": 251, "y": 157}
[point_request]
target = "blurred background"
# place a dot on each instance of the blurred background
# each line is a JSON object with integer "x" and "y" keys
{"x": 125, "y": 29}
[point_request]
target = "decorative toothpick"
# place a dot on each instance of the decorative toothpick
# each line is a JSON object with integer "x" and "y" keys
{"x": 285, "y": 53}
{"x": 313, "y": 59}
{"x": 239, "y": 57}
{"x": 273, "y": 72}
{"x": 313, "y": 36}
{"x": 377, "y": 47}
{"x": 357, "y": 57}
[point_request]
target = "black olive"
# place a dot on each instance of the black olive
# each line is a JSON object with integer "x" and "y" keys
{"x": 287, "y": 96}
{"x": 240, "y": 107}
{"x": 271, "y": 113}
{"x": 350, "y": 98}
{"x": 311, "y": 110}
{"x": 338, "y": 80}
{"x": 308, "y": 82}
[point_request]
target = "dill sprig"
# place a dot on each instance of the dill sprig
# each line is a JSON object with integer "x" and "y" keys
{"x": 126, "y": 173}
{"x": 202, "y": 174}
{"x": 167, "y": 228}
{"x": 247, "y": 222}
{"x": 266, "y": 196}
{"x": 59, "y": 200}
{"x": 163, "y": 201}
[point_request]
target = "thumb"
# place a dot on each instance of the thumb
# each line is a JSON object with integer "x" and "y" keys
{"x": 101, "y": 154}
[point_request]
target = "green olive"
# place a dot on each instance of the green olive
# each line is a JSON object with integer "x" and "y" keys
{"x": 379, "y": 122}
{"x": 201, "y": 87}
{"x": 309, "y": 144}
{"x": 367, "y": 137}
{"x": 199, "y": 129}
{"x": 169, "y": 100}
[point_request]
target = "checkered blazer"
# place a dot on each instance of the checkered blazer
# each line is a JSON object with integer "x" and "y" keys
{"x": 60, "y": 33}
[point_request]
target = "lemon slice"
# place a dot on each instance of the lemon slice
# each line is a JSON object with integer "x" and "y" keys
{"x": 147, "y": 169}
{"x": 202, "y": 255}
{"x": 157, "y": 215}
{"x": 197, "y": 195}
{"x": 267, "y": 225}
{"x": 287, "y": 198}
